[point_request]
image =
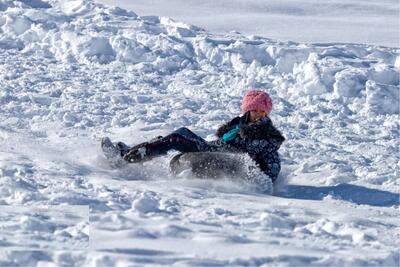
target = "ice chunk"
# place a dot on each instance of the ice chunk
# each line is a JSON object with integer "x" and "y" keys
{"x": 75, "y": 7}
{"x": 382, "y": 98}
{"x": 129, "y": 50}
{"x": 349, "y": 82}
{"x": 121, "y": 12}
{"x": 384, "y": 74}
{"x": 18, "y": 25}
{"x": 146, "y": 202}
{"x": 100, "y": 48}
{"x": 308, "y": 78}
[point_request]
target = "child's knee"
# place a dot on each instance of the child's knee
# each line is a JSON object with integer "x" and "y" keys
{"x": 182, "y": 131}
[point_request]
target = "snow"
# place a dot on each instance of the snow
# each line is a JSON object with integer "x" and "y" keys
{"x": 310, "y": 21}
{"x": 72, "y": 72}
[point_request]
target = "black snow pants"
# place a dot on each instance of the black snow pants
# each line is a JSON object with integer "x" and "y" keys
{"x": 182, "y": 140}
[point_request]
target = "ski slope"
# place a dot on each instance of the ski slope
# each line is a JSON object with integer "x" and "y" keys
{"x": 74, "y": 71}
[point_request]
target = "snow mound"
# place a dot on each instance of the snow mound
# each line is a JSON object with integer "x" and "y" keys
{"x": 64, "y": 31}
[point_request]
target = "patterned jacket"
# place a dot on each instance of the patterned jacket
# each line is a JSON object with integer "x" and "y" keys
{"x": 261, "y": 140}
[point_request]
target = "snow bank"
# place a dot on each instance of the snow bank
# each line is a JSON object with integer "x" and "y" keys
{"x": 64, "y": 31}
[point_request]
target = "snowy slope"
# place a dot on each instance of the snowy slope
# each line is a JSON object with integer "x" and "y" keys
{"x": 311, "y": 21}
{"x": 74, "y": 71}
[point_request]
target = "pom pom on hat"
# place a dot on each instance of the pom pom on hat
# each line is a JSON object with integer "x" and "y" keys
{"x": 257, "y": 100}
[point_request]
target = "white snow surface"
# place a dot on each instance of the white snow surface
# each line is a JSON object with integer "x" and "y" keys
{"x": 312, "y": 21}
{"x": 74, "y": 71}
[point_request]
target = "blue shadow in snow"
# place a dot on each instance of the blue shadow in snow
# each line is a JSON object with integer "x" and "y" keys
{"x": 353, "y": 193}
{"x": 137, "y": 251}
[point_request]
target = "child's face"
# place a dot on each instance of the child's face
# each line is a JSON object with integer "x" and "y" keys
{"x": 257, "y": 114}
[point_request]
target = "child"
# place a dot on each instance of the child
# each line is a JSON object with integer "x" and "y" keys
{"x": 252, "y": 133}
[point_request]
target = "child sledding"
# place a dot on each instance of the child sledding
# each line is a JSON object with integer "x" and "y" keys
{"x": 252, "y": 134}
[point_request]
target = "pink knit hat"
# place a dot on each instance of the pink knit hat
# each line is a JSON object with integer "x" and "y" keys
{"x": 257, "y": 100}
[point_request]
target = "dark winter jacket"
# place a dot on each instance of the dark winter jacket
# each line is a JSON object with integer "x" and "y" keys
{"x": 261, "y": 140}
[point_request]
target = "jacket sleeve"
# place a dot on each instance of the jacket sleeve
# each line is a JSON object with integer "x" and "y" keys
{"x": 270, "y": 157}
{"x": 264, "y": 152}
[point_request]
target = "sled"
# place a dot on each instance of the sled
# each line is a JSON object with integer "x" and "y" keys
{"x": 205, "y": 165}
{"x": 208, "y": 164}
{"x": 217, "y": 165}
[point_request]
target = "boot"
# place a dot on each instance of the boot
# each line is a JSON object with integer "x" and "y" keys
{"x": 143, "y": 152}
{"x": 123, "y": 148}
{"x": 136, "y": 154}
{"x": 110, "y": 151}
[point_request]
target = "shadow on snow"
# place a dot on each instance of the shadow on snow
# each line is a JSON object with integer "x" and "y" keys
{"x": 353, "y": 193}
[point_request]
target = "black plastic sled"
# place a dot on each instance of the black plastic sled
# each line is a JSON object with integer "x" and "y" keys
{"x": 208, "y": 164}
{"x": 216, "y": 165}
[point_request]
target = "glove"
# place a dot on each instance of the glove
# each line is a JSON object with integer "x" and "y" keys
{"x": 229, "y": 136}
